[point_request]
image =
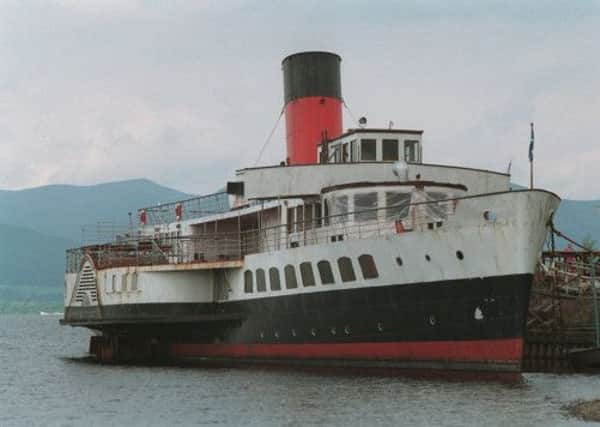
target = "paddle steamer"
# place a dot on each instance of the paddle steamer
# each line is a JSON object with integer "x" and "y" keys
{"x": 352, "y": 252}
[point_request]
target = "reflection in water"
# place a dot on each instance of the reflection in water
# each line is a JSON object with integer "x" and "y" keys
{"x": 51, "y": 382}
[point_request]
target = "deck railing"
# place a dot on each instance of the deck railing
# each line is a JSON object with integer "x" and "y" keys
{"x": 195, "y": 207}
{"x": 225, "y": 246}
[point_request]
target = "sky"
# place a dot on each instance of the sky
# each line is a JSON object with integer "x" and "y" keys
{"x": 185, "y": 92}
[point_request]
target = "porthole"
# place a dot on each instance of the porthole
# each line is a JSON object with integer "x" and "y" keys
{"x": 399, "y": 261}
{"x": 460, "y": 255}
{"x": 313, "y": 332}
{"x": 380, "y": 326}
{"x": 431, "y": 320}
{"x": 489, "y": 216}
{"x": 347, "y": 329}
{"x": 333, "y": 330}
{"x": 427, "y": 257}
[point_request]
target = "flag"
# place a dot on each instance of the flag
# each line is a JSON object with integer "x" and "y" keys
{"x": 531, "y": 144}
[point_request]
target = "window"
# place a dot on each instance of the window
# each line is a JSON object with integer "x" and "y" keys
{"x": 325, "y": 212}
{"x": 353, "y": 151}
{"x": 397, "y": 204}
{"x": 346, "y": 269}
{"x": 306, "y": 272}
{"x": 134, "y": 284}
{"x": 261, "y": 283}
{"x": 411, "y": 150}
{"x": 364, "y": 206}
{"x": 436, "y": 195}
{"x": 368, "y": 150}
{"x": 274, "y": 279}
{"x": 290, "y": 277}
{"x": 337, "y": 154}
{"x": 107, "y": 285}
{"x": 367, "y": 266}
{"x": 345, "y": 155}
{"x": 114, "y": 283}
{"x": 300, "y": 218}
{"x": 291, "y": 218}
{"x": 318, "y": 214}
{"x": 389, "y": 149}
{"x": 123, "y": 282}
{"x": 325, "y": 272}
{"x": 340, "y": 209}
{"x": 248, "y": 285}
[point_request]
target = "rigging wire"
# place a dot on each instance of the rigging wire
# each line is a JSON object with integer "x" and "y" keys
{"x": 260, "y": 153}
{"x": 349, "y": 111}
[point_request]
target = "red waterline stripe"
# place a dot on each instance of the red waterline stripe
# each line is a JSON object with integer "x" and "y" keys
{"x": 482, "y": 350}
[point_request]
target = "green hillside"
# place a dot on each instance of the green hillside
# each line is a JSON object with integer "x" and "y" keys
{"x": 31, "y": 259}
{"x": 61, "y": 210}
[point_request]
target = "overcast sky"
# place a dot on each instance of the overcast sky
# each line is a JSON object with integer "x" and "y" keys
{"x": 185, "y": 92}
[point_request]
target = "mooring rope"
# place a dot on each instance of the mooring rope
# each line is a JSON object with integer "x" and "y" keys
{"x": 569, "y": 239}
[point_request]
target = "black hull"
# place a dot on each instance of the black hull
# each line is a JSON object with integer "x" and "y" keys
{"x": 460, "y": 324}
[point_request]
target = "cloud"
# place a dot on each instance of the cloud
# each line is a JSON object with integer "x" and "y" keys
{"x": 185, "y": 92}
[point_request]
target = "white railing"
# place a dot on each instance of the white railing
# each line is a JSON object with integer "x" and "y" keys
{"x": 223, "y": 246}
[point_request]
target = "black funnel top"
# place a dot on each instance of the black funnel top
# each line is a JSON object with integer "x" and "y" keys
{"x": 311, "y": 74}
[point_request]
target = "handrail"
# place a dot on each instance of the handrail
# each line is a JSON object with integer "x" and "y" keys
{"x": 216, "y": 246}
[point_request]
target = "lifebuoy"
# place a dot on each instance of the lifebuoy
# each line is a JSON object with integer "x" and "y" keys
{"x": 143, "y": 217}
{"x": 178, "y": 210}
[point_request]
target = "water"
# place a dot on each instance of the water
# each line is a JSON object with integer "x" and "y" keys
{"x": 45, "y": 381}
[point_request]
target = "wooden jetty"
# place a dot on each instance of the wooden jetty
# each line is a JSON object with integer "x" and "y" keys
{"x": 563, "y": 315}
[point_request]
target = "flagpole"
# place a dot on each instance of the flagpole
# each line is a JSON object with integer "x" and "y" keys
{"x": 531, "y": 142}
{"x": 531, "y": 174}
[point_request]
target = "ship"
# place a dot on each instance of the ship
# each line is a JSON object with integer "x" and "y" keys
{"x": 351, "y": 253}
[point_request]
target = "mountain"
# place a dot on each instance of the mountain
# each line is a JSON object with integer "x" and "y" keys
{"x": 37, "y": 225}
{"x": 29, "y": 258}
{"x": 61, "y": 210}
{"x": 579, "y": 219}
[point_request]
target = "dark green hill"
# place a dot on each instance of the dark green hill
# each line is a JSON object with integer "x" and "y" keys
{"x": 579, "y": 219}
{"x": 29, "y": 258}
{"x": 61, "y": 210}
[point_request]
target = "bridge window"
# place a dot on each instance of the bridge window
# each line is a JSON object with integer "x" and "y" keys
{"x": 345, "y": 155}
{"x": 367, "y": 266}
{"x": 340, "y": 209}
{"x": 396, "y": 204}
{"x": 291, "y": 282}
{"x": 346, "y": 269}
{"x": 325, "y": 272}
{"x": 318, "y": 215}
{"x": 368, "y": 150}
{"x": 308, "y": 277}
{"x": 389, "y": 149}
{"x": 354, "y": 151}
{"x": 274, "y": 279}
{"x": 261, "y": 283}
{"x": 411, "y": 150}
{"x": 337, "y": 154}
{"x": 248, "y": 283}
{"x": 364, "y": 206}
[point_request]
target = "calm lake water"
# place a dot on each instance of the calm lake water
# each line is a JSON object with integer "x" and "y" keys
{"x": 44, "y": 381}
